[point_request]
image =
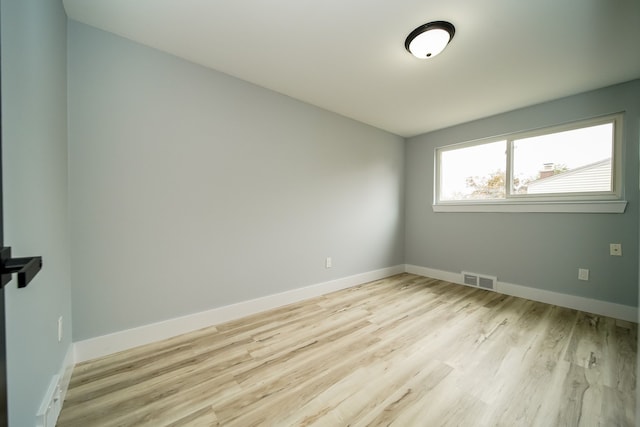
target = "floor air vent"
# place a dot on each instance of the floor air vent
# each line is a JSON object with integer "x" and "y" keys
{"x": 470, "y": 279}
{"x": 486, "y": 282}
{"x": 479, "y": 280}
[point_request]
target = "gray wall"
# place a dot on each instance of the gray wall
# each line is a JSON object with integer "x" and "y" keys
{"x": 34, "y": 119}
{"x": 538, "y": 250}
{"x": 190, "y": 189}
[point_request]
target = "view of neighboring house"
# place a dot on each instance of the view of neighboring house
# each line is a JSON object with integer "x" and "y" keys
{"x": 590, "y": 178}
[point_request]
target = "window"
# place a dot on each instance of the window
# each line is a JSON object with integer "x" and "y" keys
{"x": 569, "y": 168}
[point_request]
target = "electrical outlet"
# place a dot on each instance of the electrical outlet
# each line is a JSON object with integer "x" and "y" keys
{"x": 615, "y": 249}
{"x": 583, "y": 274}
{"x": 327, "y": 262}
{"x": 60, "y": 329}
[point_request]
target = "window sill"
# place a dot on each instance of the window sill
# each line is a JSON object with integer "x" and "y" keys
{"x": 615, "y": 206}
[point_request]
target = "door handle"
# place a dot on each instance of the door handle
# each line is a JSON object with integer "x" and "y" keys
{"x": 26, "y": 268}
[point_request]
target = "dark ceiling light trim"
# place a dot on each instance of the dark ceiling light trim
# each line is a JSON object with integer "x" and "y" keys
{"x": 429, "y": 39}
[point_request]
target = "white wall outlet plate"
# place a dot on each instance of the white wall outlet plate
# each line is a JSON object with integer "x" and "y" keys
{"x": 583, "y": 274}
{"x": 60, "y": 329}
{"x": 615, "y": 249}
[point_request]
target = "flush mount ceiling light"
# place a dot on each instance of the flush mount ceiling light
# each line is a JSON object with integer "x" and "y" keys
{"x": 430, "y": 39}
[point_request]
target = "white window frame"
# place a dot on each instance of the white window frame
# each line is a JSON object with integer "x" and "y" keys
{"x": 594, "y": 202}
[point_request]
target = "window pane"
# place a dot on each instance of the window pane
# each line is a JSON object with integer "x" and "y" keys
{"x": 473, "y": 173}
{"x": 575, "y": 161}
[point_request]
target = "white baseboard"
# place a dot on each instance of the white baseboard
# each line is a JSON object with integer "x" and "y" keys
{"x": 123, "y": 340}
{"x": 51, "y": 405}
{"x": 603, "y": 308}
{"x": 435, "y": 274}
{"x": 66, "y": 371}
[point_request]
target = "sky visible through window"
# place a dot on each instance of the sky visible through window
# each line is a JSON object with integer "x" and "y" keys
{"x": 563, "y": 150}
{"x": 573, "y": 149}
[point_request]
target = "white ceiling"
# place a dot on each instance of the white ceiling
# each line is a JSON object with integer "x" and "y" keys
{"x": 348, "y": 56}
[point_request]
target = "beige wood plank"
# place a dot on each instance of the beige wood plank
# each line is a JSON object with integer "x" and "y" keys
{"x": 621, "y": 348}
{"x": 538, "y": 357}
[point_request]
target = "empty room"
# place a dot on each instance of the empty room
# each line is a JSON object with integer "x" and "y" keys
{"x": 409, "y": 213}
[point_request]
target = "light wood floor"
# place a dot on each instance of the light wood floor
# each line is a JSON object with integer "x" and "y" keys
{"x": 404, "y": 351}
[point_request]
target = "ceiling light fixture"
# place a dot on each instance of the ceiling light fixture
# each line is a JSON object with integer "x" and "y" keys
{"x": 430, "y": 39}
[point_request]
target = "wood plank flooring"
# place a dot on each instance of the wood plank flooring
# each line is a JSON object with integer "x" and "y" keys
{"x": 403, "y": 351}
